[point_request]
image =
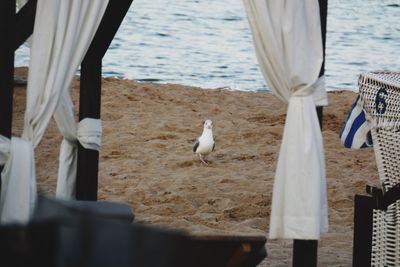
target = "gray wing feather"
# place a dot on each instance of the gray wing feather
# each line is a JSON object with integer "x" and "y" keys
{"x": 213, "y": 147}
{"x": 196, "y": 145}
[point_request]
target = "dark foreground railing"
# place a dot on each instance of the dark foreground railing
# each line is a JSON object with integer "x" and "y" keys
{"x": 84, "y": 233}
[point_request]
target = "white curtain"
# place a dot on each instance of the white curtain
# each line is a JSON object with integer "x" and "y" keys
{"x": 18, "y": 187}
{"x": 63, "y": 31}
{"x": 88, "y": 133}
{"x": 288, "y": 43}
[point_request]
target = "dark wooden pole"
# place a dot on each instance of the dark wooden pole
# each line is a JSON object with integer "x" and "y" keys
{"x": 363, "y": 227}
{"x": 89, "y": 107}
{"x": 323, "y": 10}
{"x": 7, "y": 33}
{"x": 90, "y": 94}
{"x": 25, "y": 21}
{"x": 305, "y": 252}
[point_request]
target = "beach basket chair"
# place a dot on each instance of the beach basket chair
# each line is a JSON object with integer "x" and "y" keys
{"x": 380, "y": 96}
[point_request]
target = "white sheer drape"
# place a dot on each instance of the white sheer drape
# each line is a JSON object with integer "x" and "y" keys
{"x": 288, "y": 42}
{"x": 63, "y": 31}
{"x": 5, "y": 149}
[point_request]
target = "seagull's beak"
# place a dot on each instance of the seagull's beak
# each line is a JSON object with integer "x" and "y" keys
{"x": 208, "y": 124}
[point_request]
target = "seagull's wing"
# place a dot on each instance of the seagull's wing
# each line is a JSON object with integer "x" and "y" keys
{"x": 213, "y": 147}
{"x": 196, "y": 145}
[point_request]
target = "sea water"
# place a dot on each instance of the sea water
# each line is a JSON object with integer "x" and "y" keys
{"x": 208, "y": 43}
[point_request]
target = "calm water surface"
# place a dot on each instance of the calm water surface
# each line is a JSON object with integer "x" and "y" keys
{"x": 208, "y": 43}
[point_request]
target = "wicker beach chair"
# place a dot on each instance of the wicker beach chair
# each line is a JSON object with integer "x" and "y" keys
{"x": 380, "y": 95}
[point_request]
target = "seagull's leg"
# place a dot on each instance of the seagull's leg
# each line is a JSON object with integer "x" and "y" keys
{"x": 202, "y": 160}
{"x": 206, "y": 161}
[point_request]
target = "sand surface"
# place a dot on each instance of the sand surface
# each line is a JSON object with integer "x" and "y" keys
{"x": 146, "y": 160}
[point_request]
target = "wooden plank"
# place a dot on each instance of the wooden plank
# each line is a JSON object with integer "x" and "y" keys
{"x": 7, "y": 33}
{"x": 90, "y": 94}
{"x": 362, "y": 237}
{"x": 232, "y": 251}
{"x": 323, "y": 11}
{"x": 239, "y": 255}
{"x": 112, "y": 19}
{"x": 305, "y": 253}
{"x": 89, "y": 107}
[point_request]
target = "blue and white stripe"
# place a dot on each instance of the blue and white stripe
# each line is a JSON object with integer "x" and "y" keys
{"x": 356, "y": 132}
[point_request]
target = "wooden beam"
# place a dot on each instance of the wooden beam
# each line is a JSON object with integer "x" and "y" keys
{"x": 305, "y": 252}
{"x": 89, "y": 107}
{"x": 7, "y": 33}
{"x": 363, "y": 227}
{"x": 25, "y": 20}
{"x": 228, "y": 251}
{"x": 112, "y": 19}
{"x": 90, "y": 94}
{"x": 323, "y": 11}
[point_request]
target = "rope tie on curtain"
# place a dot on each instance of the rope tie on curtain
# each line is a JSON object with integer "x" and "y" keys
{"x": 320, "y": 96}
{"x": 317, "y": 91}
{"x": 307, "y": 91}
{"x": 88, "y": 134}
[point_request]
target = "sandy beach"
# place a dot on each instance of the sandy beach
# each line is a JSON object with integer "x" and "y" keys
{"x": 146, "y": 160}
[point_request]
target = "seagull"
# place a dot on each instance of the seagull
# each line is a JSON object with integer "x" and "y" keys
{"x": 205, "y": 144}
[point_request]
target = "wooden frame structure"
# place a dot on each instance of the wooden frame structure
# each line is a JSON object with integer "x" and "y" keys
{"x": 90, "y": 94}
{"x": 7, "y": 31}
{"x": 16, "y": 28}
{"x": 229, "y": 251}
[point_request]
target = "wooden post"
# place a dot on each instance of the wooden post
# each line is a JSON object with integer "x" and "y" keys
{"x": 7, "y": 33}
{"x": 89, "y": 107}
{"x": 363, "y": 227}
{"x": 90, "y": 94}
{"x": 305, "y": 252}
{"x": 25, "y": 20}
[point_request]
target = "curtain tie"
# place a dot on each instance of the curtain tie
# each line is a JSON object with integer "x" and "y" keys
{"x": 89, "y": 133}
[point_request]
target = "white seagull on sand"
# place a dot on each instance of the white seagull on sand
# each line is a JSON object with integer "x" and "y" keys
{"x": 205, "y": 143}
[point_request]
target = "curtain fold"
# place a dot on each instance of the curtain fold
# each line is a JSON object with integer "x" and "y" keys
{"x": 63, "y": 31}
{"x": 288, "y": 43}
{"x": 18, "y": 188}
{"x": 5, "y": 148}
{"x": 88, "y": 134}
{"x": 62, "y": 34}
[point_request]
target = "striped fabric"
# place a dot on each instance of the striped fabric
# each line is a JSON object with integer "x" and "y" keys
{"x": 356, "y": 132}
